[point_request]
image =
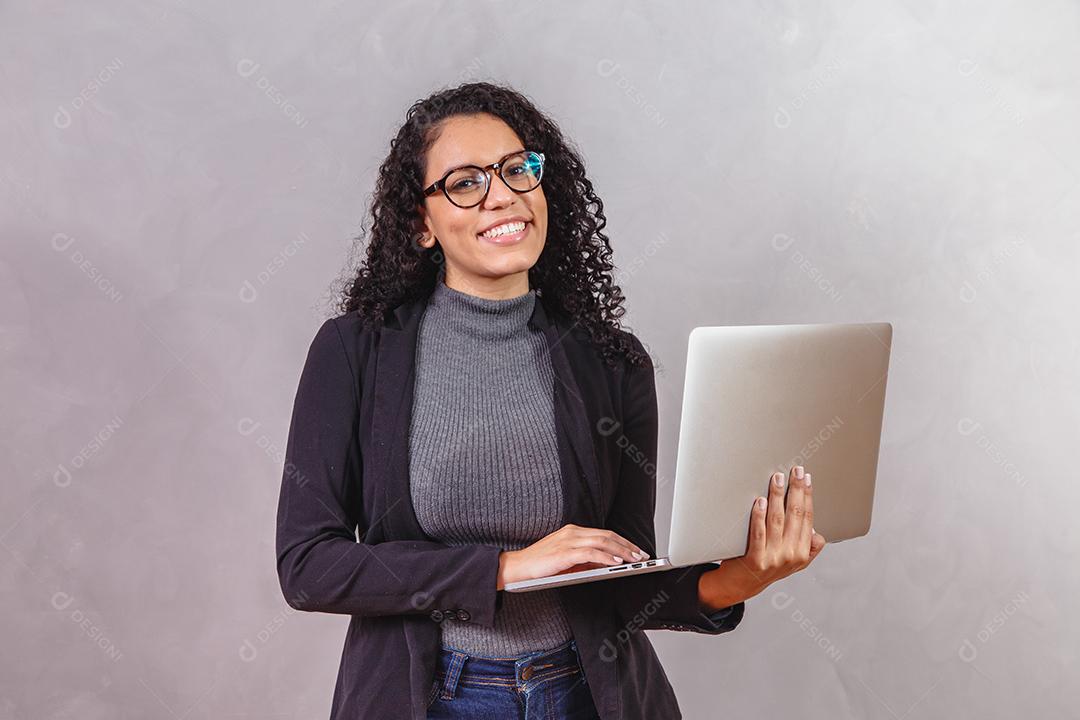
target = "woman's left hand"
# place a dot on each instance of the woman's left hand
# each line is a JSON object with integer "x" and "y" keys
{"x": 782, "y": 542}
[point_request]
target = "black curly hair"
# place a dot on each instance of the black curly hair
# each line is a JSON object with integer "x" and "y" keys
{"x": 572, "y": 274}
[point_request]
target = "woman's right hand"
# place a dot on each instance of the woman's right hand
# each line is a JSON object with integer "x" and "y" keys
{"x": 568, "y": 549}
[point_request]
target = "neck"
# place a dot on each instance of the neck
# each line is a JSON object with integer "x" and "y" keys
{"x": 480, "y": 318}
{"x": 500, "y": 288}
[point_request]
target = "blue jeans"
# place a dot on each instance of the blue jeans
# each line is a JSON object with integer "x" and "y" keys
{"x": 544, "y": 685}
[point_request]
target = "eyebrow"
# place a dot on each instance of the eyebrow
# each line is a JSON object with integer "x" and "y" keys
{"x": 458, "y": 167}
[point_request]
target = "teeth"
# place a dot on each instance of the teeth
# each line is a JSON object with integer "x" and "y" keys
{"x": 505, "y": 229}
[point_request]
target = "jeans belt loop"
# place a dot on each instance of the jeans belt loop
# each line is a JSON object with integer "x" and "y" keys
{"x": 453, "y": 672}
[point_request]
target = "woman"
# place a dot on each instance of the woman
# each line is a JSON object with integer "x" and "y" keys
{"x": 479, "y": 417}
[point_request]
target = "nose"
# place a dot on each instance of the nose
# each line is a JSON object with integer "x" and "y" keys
{"x": 499, "y": 195}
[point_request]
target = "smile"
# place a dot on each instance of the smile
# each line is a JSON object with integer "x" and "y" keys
{"x": 506, "y": 234}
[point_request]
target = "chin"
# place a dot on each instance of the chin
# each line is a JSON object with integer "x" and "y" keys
{"x": 509, "y": 266}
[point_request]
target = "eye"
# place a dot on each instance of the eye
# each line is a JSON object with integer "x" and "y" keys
{"x": 464, "y": 184}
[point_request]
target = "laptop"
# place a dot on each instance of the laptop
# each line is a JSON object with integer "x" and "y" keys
{"x": 760, "y": 399}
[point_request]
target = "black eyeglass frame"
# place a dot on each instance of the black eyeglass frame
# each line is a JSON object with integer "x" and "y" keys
{"x": 440, "y": 184}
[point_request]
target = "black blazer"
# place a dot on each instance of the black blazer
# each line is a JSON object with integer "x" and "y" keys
{"x": 346, "y": 469}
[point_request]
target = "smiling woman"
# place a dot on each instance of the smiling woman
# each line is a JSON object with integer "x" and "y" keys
{"x": 415, "y": 234}
{"x": 509, "y": 213}
{"x": 452, "y": 414}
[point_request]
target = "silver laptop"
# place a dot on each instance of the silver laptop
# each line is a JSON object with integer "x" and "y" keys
{"x": 760, "y": 399}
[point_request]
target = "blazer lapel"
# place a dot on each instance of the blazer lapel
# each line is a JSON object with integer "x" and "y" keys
{"x": 582, "y": 497}
{"x": 394, "y": 378}
{"x": 395, "y": 374}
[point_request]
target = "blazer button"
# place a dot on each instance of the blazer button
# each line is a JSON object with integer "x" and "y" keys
{"x": 463, "y": 615}
{"x": 437, "y": 615}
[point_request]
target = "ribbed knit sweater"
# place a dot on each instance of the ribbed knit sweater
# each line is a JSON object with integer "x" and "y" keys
{"x": 483, "y": 460}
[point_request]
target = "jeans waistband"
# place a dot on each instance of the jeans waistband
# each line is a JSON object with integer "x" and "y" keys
{"x": 522, "y": 671}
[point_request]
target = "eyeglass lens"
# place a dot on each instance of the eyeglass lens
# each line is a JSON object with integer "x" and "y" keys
{"x": 521, "y": 172}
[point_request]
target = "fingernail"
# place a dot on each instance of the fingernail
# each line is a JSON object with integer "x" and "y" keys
{"x": 799, "y": 471}
{"x": 637, "y": 555}
{"x": 807, "y": 479}
{"x": 778, "y": 480}
{"x": 761, "y": 503}
{"x": 617, "y": 558}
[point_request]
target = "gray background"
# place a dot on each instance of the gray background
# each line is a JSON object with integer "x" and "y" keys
{"x": 180, "y": 183}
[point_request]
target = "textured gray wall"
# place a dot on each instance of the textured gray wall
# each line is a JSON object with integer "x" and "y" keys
{"x": 179, "y": 185}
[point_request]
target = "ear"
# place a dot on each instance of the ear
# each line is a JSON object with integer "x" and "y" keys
{"x": 424, "y": 237}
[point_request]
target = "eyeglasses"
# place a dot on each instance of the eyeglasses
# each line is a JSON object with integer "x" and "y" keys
{"x": 468, "y": 186}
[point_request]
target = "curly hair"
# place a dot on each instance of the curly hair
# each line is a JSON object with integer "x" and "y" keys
{"x": 573, "y": 273}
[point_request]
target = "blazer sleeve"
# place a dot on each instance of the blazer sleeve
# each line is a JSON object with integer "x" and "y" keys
{"x": 321, "y": 565}
{"x": 667, "y": 599}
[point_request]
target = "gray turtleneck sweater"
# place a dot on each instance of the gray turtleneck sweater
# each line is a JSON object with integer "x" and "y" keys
{"x": 483, "y": 460}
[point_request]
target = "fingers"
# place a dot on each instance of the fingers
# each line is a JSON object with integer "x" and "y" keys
{"x": 774, "y": 516}
{"x": 572, "y": 548}
{"x": 808, "y": 517}
{"x": 758, "y": 531}
{"x": 795, "y": 507}
{"x": 609, "y": 541}
{"x": 593, "y": 555}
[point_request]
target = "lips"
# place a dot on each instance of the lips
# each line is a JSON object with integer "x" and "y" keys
{"x": 503, "y": 221}
{"x": 505, "y": 229}
{"x": 507, "y": 238}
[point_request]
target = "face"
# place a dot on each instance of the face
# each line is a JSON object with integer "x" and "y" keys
{"x": 487, "y": 267}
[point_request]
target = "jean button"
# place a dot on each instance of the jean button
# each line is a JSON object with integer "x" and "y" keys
{"x": 527, "y": 672}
